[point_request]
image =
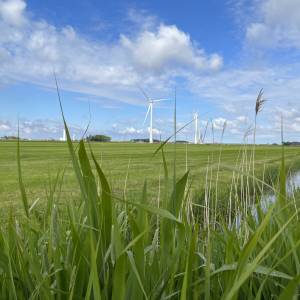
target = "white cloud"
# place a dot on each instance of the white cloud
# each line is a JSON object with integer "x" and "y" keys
{"x": 166, "y": 48}
{"x": 215, "y": 62}
{"x": 277, "y": 24}
{"x": 135, "y": 131}
{"x": 12, "y": 11}
{"x": 291, "y": 120}
{"x": 4, "y": 126}
{"x": 125, "y": 130}
{"x": 155, "y": 131}
{"x": 37, "y": 128}
{"x": 31, "y": 49}
{"x": 142, "y": 19}
{"x": 130, "y": 130}
{"x": 219, "y": 123}
{"x": 233, "y": 92}
{"x": 236, "y": 126}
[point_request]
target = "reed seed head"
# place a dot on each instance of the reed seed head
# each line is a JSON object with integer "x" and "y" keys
{"x": 259, "y": 102}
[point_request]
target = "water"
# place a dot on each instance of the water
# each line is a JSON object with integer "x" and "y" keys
{"x": 293, "y": 184}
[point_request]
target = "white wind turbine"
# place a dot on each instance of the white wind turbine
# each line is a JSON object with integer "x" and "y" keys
{"x": 64, "y": 137}
{"x": 197, "y": 139}
{"x": 150, "y": 110}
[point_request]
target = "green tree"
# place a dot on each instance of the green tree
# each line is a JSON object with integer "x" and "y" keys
{"x": 99, "y": 138}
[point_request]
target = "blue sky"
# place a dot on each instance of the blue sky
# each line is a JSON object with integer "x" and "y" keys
{"x": 218, "y": 55}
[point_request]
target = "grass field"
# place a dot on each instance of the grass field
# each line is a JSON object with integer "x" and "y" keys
{"x": 42, "y": 160}
{"x": 110, "y": 240}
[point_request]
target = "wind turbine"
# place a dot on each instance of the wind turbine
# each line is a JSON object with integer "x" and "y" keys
{"x": 64, "y": 137}
{"x": 197, "y": 137}
{"x": 150, "y": 110}
{"x": 204, "y": 134}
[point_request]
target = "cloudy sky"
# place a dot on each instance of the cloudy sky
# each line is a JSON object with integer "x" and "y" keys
{"x": 217, "y": 54}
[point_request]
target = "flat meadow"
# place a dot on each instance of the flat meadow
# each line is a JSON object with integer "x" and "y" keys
{"x": 114, "y": 221}
{"x": 126, "y": 165}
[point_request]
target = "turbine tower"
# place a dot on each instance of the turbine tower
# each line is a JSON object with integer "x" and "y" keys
{"x": 197, "y": 139}
{"x": 150, "y": 111}
{"x": 64, "y": 137}
{"x": 196, "y": 128}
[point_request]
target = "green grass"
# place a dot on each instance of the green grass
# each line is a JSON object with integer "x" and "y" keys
{"x": 88, "y": 239}
{"x": 119, "y": 161}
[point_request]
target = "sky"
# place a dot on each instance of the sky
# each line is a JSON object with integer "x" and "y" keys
{"x": 217, "y": 55}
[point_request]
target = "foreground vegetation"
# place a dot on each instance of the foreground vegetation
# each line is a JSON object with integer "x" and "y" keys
{"x": 103, "y": 245}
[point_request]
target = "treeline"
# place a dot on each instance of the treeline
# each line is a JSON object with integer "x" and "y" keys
{"x": 6, "y": 137}
{"x": 291, "y": 143}
{"x": 98, "y": 138}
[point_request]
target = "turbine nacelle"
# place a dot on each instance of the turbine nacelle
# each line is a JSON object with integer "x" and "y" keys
{"x": 150, "y": 107}
{"x": 150, "y": 112}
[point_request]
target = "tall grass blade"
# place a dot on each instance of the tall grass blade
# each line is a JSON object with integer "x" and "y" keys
{"x": 291, "y": 290}
{"x": 21, "y": 184}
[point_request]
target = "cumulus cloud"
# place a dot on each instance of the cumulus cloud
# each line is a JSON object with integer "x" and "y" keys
{"x": 155, "y": 131}
{"x": 5, "y": 126}
{"x": 290, "y": 118}
{"x": 277, "y": 24}
{"x": 236, "y": 126}
{"x": 235, "y": 98}
{"x": 135, "y": 131}
{"x": 130, "y": 130}
{"x": 12, "y": 11}
{"x": 219, "y": 123}
{"x": 240, "y": 86}
{"x": 168, "y": 47}
{"x": 37, "y": 128}
{"x": 30, "y": 49}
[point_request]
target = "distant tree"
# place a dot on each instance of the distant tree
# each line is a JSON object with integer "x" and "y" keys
{"x": 9, "y": 137}
{"x": 98, "y": 138}
{"x": 291, "y": 143}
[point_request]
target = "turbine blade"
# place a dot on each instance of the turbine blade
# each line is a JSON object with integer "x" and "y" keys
{"x": 205, "y": 130}
{"x": 158, "y": 100}
{"x": 144, "y": 93}
{"x": 146, "y": 115}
